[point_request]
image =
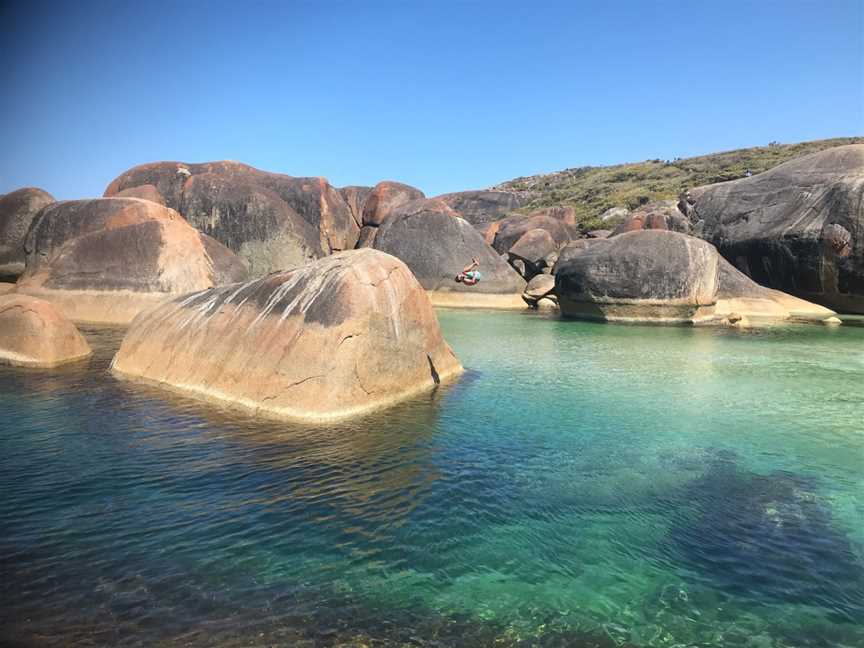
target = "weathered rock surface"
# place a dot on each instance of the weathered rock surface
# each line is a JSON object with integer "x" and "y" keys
{"x": 667, "y": 277}
{"x": 355, "y": 197}
{"x": 743, "y": 302}
{"x": 272, "y": 221}
{"x": 105, "y": 260}
{"x": 540, "y": 287}
{"x": 367, "y": 236}
{"x": 384, "y": 198}
{"x": 798, "y": 227}
{"x": 570, "y": 250}
{"x": 650, "y": 275}
{"x": 600, "y": 233}
{"x": 6, "y": 287}
{"x": 512, "y": 228}
{"x": 482, "y": 207}
{"x": 659, "y": 215}
{"x": 34, "y": 334}
{"x": 338, "y": 337}
{"x": 533, "y": 248}
{"x": 436, "y": 244}
{"x": 17, "y": 211}
{"x": 145, "y": 192}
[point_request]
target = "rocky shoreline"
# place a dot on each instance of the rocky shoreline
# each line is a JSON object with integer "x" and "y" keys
{"x": 195, "y": 257}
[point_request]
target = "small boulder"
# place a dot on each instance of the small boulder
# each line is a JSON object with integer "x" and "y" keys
{"x": 599, "y": 234}
{"x": 17, "y": 211}
{"x": 330, "y": 340}
{"x": 658, "y": 215}
{"x": 512, "y": 228}
{"x": 34, "y": 334}
{"x": 384, "y": 198}
{"x": 532, "y": 248}
{"x": 538, "y": 288}
{"x": 105, "y": 260}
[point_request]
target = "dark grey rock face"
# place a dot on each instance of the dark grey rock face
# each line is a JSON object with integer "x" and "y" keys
{"x": 798, "y": 227}
{"x": 482, "y": 207}
{"x": 645, "y": 275}
{"x": 272, "y": 221}
{"x": 436, "y": 244}
{"x": 17, "y": 211}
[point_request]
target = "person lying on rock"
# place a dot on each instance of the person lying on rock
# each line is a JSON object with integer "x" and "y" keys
{"x": 469, "y": 276}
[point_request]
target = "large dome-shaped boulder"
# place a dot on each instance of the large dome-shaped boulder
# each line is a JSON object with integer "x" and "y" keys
{"x": 385, "y": 198}
{"x": 105, "y": 260}
{"x": 34, "y": 334}
{"x": 481, "y": 207}
{"x": 667, "y": 277}
{"x": 650, "y": 275}
{"x": 660, "y": 215}
{"x": 798, "y": 227}
{"x": 272, "y": 221}
{"x": 17, "y": 211}
{"x": 437, "y": 244}
{"x": 338, "y": 337}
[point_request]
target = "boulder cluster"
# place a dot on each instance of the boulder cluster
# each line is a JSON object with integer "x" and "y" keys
{"x": 303, "y": 300}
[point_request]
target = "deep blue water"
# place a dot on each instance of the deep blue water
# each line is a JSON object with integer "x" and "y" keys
{"x": 582, "y": 485}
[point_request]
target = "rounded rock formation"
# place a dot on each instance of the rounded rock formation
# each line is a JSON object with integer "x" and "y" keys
{"x": 272, "y": 221}
{"x": 658, "y": 215}
{"x": 436, "y": 244}
{"x": 533, "y": 248}
{"x": 798, "y": 227}
{"x": 481, "y": 207}
{"x": 336, "y": 338}
{"x": 650, "y": 276}
{"x": 386, "y": 197}
{"x": 17, "y": 211}
{"x": 34, "y": 334}
{"x": 105, "y": 260}
{"x": 512, "y": 228}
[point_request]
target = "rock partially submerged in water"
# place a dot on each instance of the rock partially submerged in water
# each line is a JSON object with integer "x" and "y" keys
{"x": 769, "y": 537}
{"x": 667, "y": 277}
{"x": 650, "y": 275}
{"x": 34, "y": 334}
{"x": 798, "y": 227}
{"x": 17, "y": 211}
{"x": 271, "y": 220}
{"x": 105, "y": 260}
{"x": 340, "y": 336}
{"x": 436, "y": 244}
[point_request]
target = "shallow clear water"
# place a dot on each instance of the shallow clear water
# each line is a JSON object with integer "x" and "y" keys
{"x": 581, "y": 485}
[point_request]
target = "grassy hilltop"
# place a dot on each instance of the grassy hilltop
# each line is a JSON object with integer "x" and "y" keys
{"x": 593, "y": 190}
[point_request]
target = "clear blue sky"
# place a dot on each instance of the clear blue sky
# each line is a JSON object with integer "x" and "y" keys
{"x": 444, "y": 96}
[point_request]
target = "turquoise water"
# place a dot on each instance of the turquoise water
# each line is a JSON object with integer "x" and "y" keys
{"x": 582, "y": 485}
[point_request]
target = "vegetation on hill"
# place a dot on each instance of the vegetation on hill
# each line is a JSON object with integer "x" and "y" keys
{"x": 593, "y": 190}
